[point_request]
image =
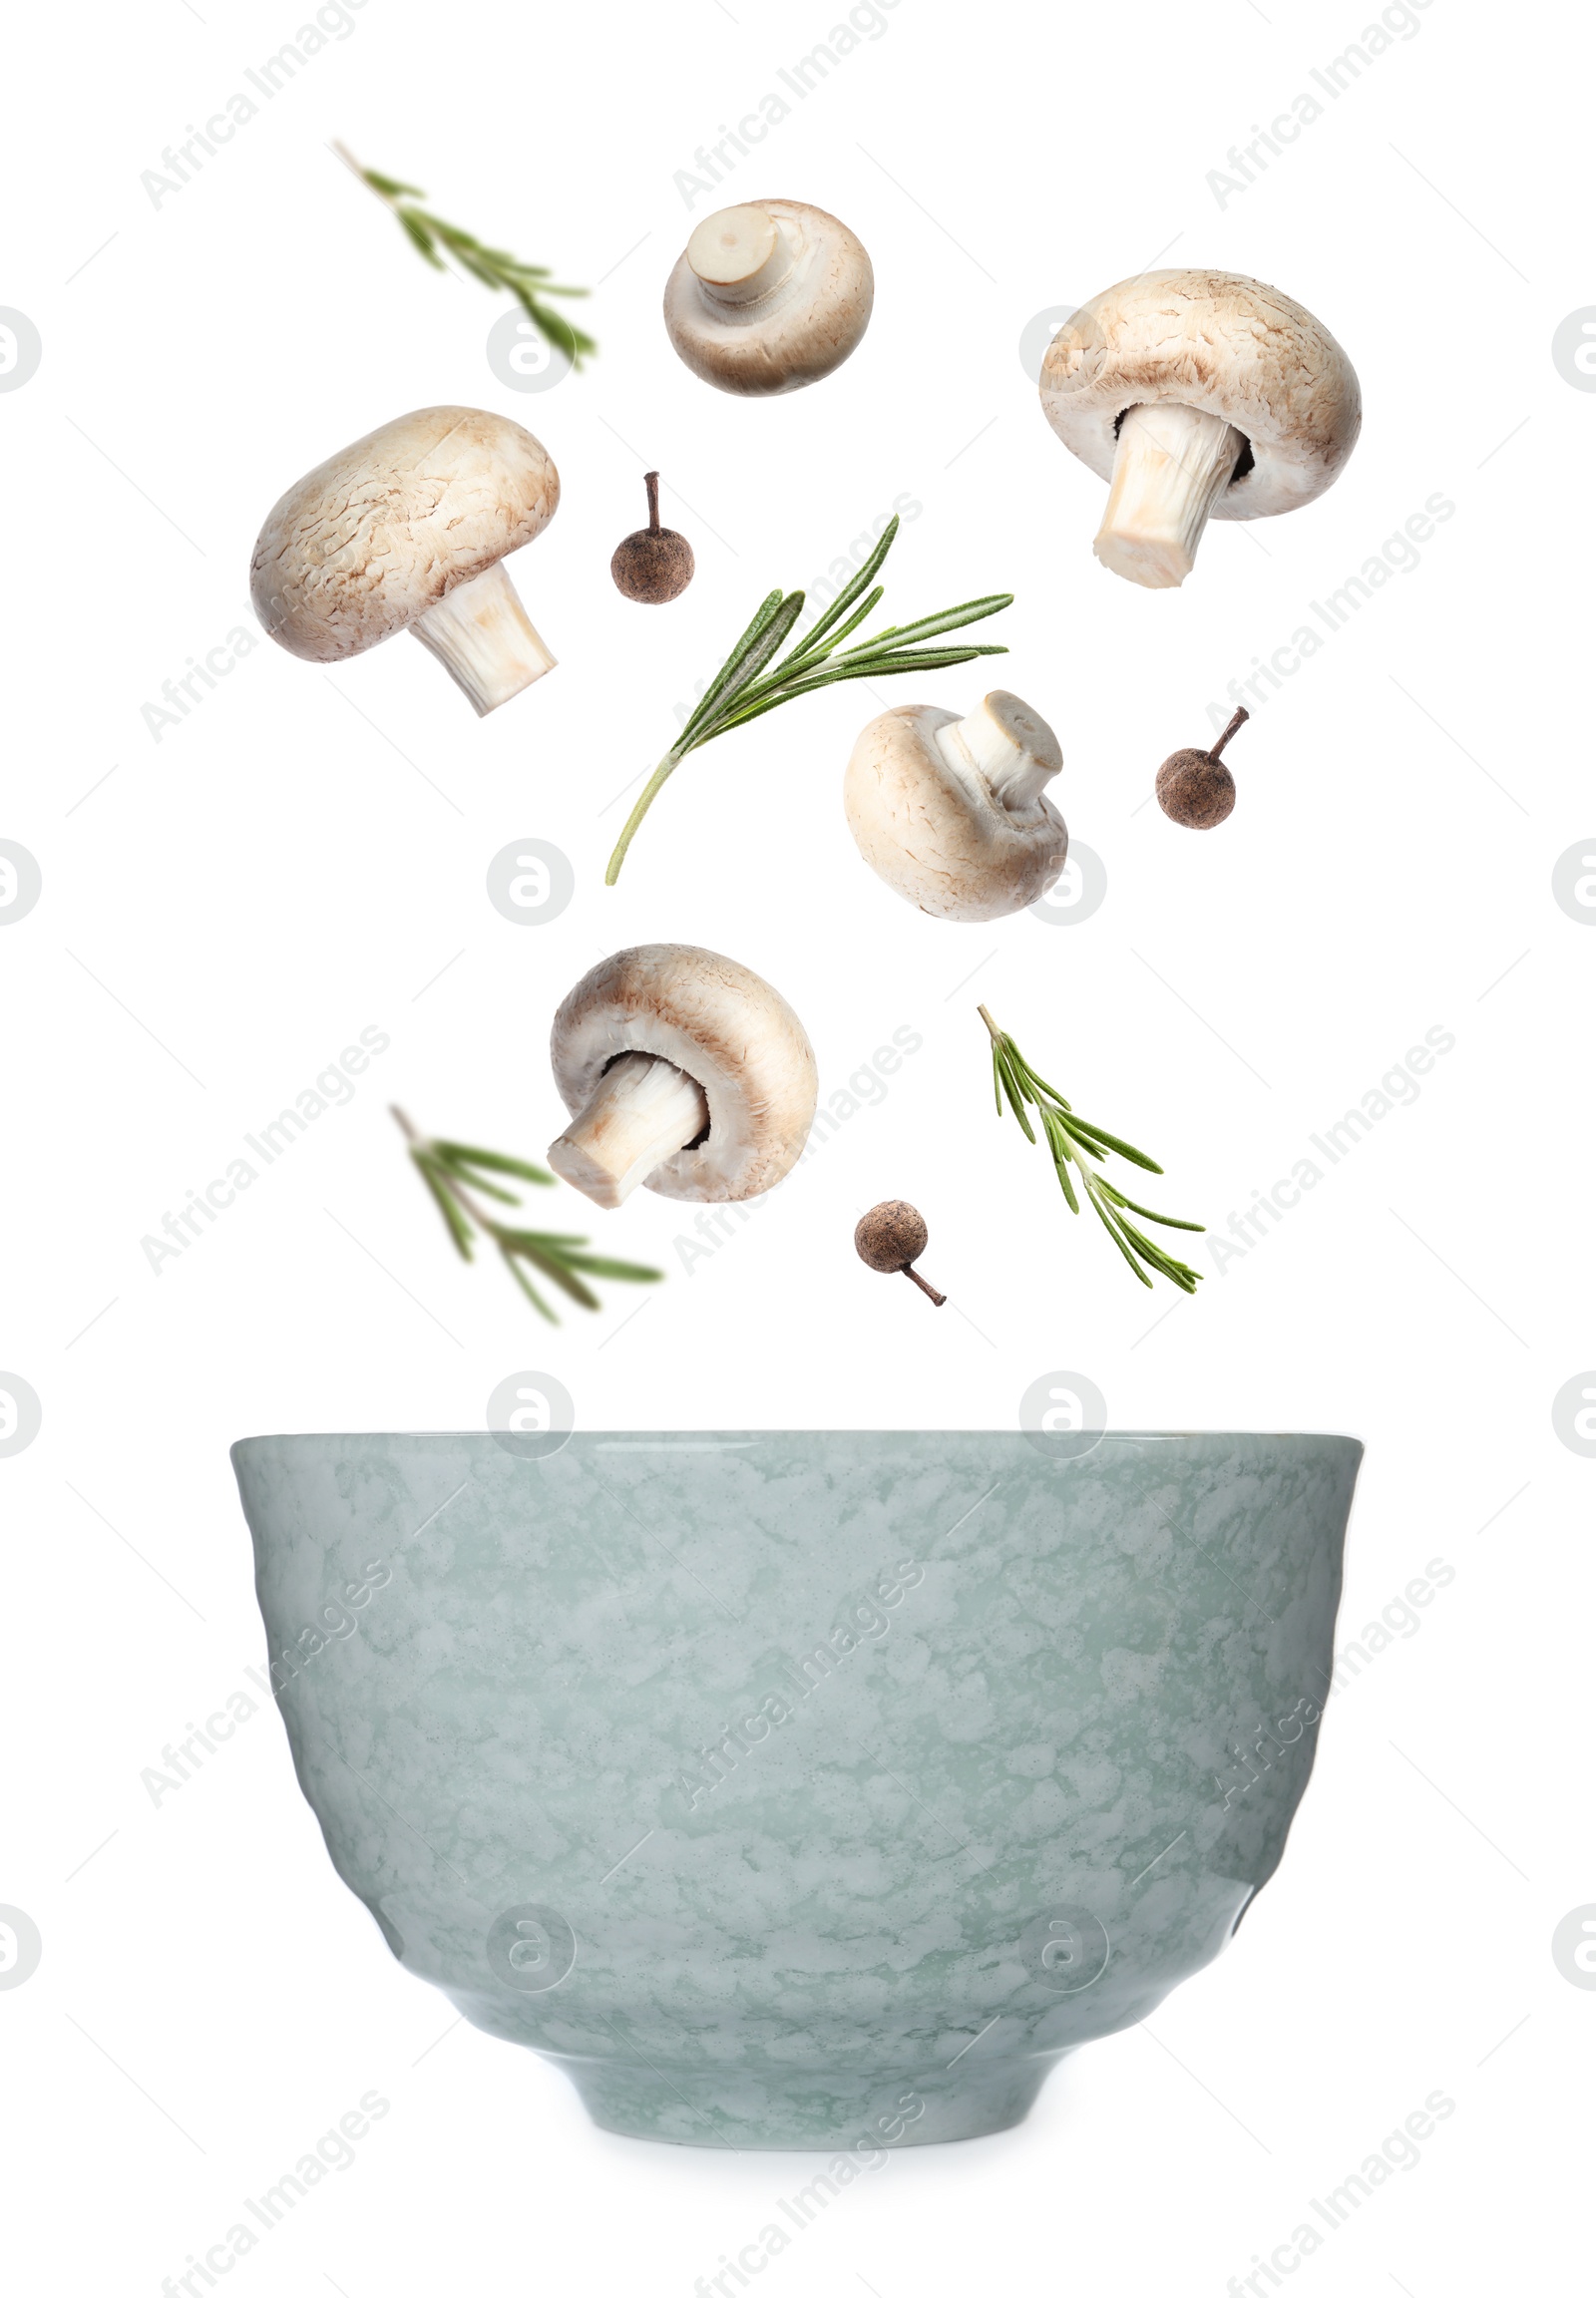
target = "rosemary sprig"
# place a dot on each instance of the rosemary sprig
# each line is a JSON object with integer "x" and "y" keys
{"x": 1070, "y": 1141}
{"x": 738, "y": 692}
{"x": 457, "y": 1176}
{"x": 528, "y": 283}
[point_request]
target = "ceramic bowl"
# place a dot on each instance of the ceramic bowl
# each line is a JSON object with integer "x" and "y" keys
{"x": 802, "y": 1790}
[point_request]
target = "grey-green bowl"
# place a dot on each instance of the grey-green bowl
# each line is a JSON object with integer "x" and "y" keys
{"x": 802, "y": 1790}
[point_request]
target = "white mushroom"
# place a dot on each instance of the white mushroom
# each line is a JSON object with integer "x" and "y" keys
{"x": 952, "y": 812}
{"x": 768, "y": 298}
{"x": 406, "y": 529}
{"x": 682, "y": 1071}
{"x": 1198, "y": 395}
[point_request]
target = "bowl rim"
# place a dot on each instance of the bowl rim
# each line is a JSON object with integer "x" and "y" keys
{"x": 728, "y": 1438}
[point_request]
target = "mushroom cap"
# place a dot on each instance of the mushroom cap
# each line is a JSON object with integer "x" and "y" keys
{"x": 735, "y": 1036}
{"x": 806, "y": 324}
{"x": 1226, "y": 344}
{"x": 363, "y": 545}
{"x": 928, "y": 821}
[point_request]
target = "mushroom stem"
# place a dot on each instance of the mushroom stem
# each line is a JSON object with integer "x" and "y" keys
{"x": 740, "y": 255}
{"x": 1171, "y": 466}
{"x": 1016, "y": 755}
{"x": 937, "y": 1300}
{"x": 481, "y": 633}
{"x": 643, "y": 1111}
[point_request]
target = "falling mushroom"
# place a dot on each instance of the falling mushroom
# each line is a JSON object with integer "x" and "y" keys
{"x": 406, "y": 529}
{"x": 1197, "y": 395}
{"x": 1195, "y": 787}
{"x": 682, "y": 1071}
{"x": 952, "y": 812}
{"x": 768, "y": 297}
{"x": 655, "y": 564}
{"x": 890, "y": 1237}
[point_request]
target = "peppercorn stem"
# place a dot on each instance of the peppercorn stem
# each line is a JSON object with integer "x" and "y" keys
{"x": 1236, "y": 724}
{"x": 937, "y": 1300}
{"x": 650, "y": 480}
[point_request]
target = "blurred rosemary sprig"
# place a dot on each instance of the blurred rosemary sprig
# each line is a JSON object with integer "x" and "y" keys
{"x": 738, "y": 693}
{"x": 528, "y": 283}
{"x": 454, "y": 1171}
{"x": 1070, "y": 1141}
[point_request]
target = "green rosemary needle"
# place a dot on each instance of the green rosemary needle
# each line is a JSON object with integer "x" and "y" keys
{"x": 738, "y": 692}
{"x": 528, "y": 283}
{"x": 455, "y": 1174}
{"x": 1070, "y": 1141}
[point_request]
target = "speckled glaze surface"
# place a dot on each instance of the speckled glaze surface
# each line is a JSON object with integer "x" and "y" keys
{"x": 811, "y": 1789}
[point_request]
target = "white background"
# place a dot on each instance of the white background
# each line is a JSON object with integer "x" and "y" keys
{"x": 305, "y": 855}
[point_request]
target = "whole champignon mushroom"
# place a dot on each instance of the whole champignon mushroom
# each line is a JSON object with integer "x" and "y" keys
{"x": 952, "y": 810}
{"x": 682, "y": 1071}
{"x": 406, "y": 529}
{"x": 768, "y": 297}
{"x": 1198, "y": 395}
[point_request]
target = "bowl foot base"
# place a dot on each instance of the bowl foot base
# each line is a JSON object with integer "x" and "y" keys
{"x": 866, "y": 2112}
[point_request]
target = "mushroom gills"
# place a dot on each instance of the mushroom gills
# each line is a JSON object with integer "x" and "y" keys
{"x": 1171, "y": 466}
{"x": 645, "y": 1110}
{"x": 740, "y": 255}
{"x": 1015, "y": 753}
{"x": 483, "y": 636}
